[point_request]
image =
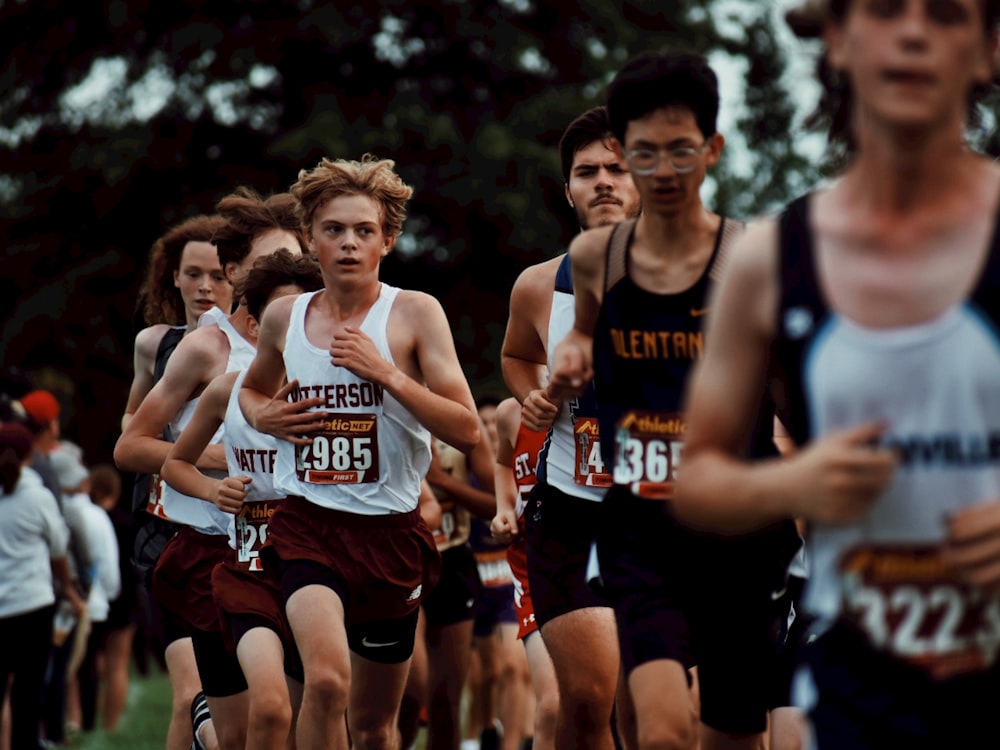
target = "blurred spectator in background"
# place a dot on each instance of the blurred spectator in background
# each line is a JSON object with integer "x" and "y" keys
{"x": 120, "y": 627}
{"x": 101, "y": 546}
{"x": 33, "y": 545}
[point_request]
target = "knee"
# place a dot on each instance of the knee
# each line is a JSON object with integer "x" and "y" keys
{"x": 665, "y": 734}
{"x": 589, "y": 694}
{"x": 546, "y": 714}
{"x": 270, "y": 713}
{"x": 231, "y": 737}
{"x": 374, "y": 736}
{"x": 510, "y": 673}
{"x": 329, "y": 687}
{"x": 183, "y": 696}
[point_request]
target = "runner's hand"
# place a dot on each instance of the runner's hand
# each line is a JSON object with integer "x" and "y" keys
{"x": 290, "y": 420}
{"x": 973, "y": 545}
{"x": 230, "y": 494}
{"x": 354, "y": 349}
{"x": 503, "y": 527}
{"x": 539, "y": 411}
{"x": 571, "y": 367}
{"x": 838, "y": 478}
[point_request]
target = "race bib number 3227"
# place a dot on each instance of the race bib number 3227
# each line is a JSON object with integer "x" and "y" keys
{"x": 907, "y": 602}
{"x": 345, "y": 451}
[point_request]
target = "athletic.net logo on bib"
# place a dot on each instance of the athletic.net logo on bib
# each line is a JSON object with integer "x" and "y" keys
{"x": 648, "y": 452}
{"x": 344, "y": 451}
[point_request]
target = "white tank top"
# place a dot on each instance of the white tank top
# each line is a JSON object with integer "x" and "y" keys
{"x": 372, "y": 454}
{"x": 200, "y": 514}
{"x": 252, "y": 454}
{"x": 570, "y": 460}
{"x": 937, "y": 388}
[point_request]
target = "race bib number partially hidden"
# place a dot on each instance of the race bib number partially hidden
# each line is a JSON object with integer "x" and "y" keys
{"x": 251, "y": 531}
{"x": 648, "y": 452}
{"x": 589, "y": 471}
{"x": 154, "y": 504}
{"x": 494, "y": 570}
{"x": 905, "y": 600}
{"x": 345, "y": 451}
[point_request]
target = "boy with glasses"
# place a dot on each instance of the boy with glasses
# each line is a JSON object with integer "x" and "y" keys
{"x": 641, "y": 292}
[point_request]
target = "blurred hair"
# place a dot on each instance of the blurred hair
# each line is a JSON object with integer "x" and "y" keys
{"x": 280, "y": 268}
{"x": 105, "y": 481}
{"x": 16, "y": 442}
{"x": 659, "y": 80}
{"x": 488, "y": 399}
{"x": 248, "y": 216}
{"x": 372, "y": 177}
{"x": 162, "y": 300}
{"x": 593, "y": 125}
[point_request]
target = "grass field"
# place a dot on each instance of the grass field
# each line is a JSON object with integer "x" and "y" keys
{"x": 144, "y": 724}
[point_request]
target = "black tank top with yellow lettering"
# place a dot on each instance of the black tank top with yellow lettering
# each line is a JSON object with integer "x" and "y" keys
{"x": 646, "y": 344}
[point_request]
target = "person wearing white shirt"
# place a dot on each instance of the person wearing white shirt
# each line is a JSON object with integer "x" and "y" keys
{"x": 33, "y": 542}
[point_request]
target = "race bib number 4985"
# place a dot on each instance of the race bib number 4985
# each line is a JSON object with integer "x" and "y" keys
{"x": 345, "y": 451}
{"x": 906, "y": 601}
{"x": 648, "y": 452}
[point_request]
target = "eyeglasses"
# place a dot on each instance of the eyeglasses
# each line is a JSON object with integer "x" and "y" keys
{"x": 683, "y": 160}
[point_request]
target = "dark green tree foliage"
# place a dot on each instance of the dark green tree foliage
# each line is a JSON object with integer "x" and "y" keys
{"x": 468, "y": 96}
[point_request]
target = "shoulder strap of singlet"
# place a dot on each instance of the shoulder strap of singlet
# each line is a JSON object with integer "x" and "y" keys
{"x": 617, "y": 256}
{"x": 801, "y": 310}
{"x": 167, "y": 345}
{"x": 564, "y": 276}
{"x": 986, "y": 295}
{"x": 797, "y": 264}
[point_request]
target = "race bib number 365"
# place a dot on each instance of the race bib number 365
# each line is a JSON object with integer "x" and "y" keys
{"x": 905, "y": 600}
{"x": 648, "y": 452}
{"x": 345, "y": 451}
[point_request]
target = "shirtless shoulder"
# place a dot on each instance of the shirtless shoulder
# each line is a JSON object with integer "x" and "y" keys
{"x": 750, "y": 279}
{"x": 216, "y": 395}
{"x": 147, "y": 342}
{"x": 415, "y": 317}
{"x": 588, "y": 248}
{"x": 202, "y": 354}
{"x": 536, "y": 282}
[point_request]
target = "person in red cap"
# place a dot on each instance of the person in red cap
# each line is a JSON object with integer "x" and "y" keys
{"x": 42, "y": 409}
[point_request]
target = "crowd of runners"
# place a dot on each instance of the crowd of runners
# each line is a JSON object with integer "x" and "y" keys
{"x": 744, "y": 491}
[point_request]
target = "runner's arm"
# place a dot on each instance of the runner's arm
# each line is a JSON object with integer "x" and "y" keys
{"x": 504, "y": 524}
{"x": 141, "y": 447}
{"x": 147, "y": 343}
{"x": 833, "y": 480}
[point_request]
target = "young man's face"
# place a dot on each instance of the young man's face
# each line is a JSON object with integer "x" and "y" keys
{"x": 600, "y": 188}
{"x": 671, "y": 134}
{"x": 347, "y": 236}
{"x": 488, "y": 413}
{"x": 201, "y": 281}
{"x": 912, "y": 62}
